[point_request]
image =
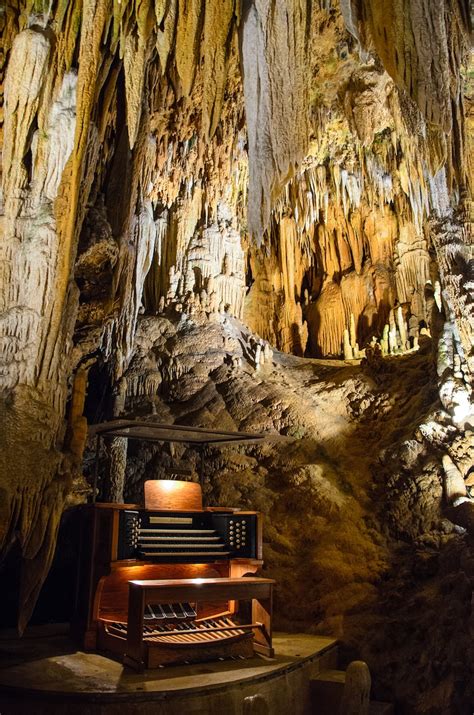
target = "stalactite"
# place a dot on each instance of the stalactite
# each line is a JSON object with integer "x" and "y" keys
{"x": 135, "y": 57}
{"x": 274, "y": 51}
{"x": 218, "y": 19}
{"x": 188, "y": 33}
{"x": 166, "y": 14}
{"x": 410, "y": 37}
{"x": 26, "y": 72}
{"x": 53, "y": 144}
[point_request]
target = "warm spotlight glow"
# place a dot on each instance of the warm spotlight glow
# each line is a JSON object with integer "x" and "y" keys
{"x": 168, "y": 485}
{"x": 173, "y": 494}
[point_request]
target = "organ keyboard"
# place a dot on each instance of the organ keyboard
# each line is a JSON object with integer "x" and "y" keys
{"x": 210, "y": 535}
{"x": 166, "y": 584}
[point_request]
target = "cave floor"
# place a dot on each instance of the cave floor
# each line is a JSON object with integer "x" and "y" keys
{"x": 45, "y": 670}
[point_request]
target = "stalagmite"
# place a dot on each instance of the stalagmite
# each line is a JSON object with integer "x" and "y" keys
{"x": 453, "y": 481}
{"x": 402, "y": 329}
{"x": 356, "y": 697}
{"x": 384, "y": 341}
{"x": 392, "y": 335}
{"x": 348, "y": 350}
{"x": 117, "y": 456}
{"x": 352, "y": 331}
{"x": 328, "y": 315}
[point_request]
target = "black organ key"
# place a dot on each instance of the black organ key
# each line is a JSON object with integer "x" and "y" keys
{"x": 188, "y": 610}
{"x": 156, "y": 610}
{"x": 149, "y": 613}
{"x": 168, "y": 611}
{"x": 178, "y": 609}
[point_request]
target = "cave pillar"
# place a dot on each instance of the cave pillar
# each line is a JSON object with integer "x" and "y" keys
{"x": 113, "y": 485}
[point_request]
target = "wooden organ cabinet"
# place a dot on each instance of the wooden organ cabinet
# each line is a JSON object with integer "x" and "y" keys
{"x": 167, "y": 583}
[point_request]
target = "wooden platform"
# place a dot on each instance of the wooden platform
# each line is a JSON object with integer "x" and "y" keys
{"x": 45, "y": 673}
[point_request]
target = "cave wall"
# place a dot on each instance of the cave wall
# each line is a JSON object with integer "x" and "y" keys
{"x": 145, "y": 174}
{"x": 350, "y": 483}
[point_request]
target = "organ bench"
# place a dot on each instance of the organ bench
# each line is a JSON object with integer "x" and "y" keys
{"x": 140, "y": 655}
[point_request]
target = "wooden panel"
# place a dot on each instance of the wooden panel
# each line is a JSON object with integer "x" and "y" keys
{"x": 242, "y": 567}
{"x": 211, "y": 609}
{"x": 185, "y": 589}
{"x": 259, "y": 553}
{"x": 238, "y": 648}
{"x": 207, "y": 583}
{"x": 112, "y": 593}
{"x": 224, "y": 509}
{"x": 94, "y": 556}
{"x": 109, "y": 505}
{"x": 115, "y": 535}
{"x": 262, "y": 613}
{"x": 173, "y": 495}
{"x": 239, "y": 568}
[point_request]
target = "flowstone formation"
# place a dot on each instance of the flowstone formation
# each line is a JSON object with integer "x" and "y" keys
{"x": 194, "y": 193}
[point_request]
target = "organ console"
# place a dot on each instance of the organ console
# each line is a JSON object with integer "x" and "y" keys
{"x": 168, "y": 583}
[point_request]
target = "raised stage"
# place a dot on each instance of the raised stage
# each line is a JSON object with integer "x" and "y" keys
{"x": 45, "y": 673}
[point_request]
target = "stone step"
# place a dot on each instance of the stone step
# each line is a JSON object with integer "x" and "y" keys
{"x": 327, "y": 688}
{"x": 326, "y": 691}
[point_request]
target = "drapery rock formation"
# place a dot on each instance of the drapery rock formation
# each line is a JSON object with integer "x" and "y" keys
{"x": 186, "y": 184}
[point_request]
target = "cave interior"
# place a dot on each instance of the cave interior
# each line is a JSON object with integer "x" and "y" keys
{"x": 248, "y": 216}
